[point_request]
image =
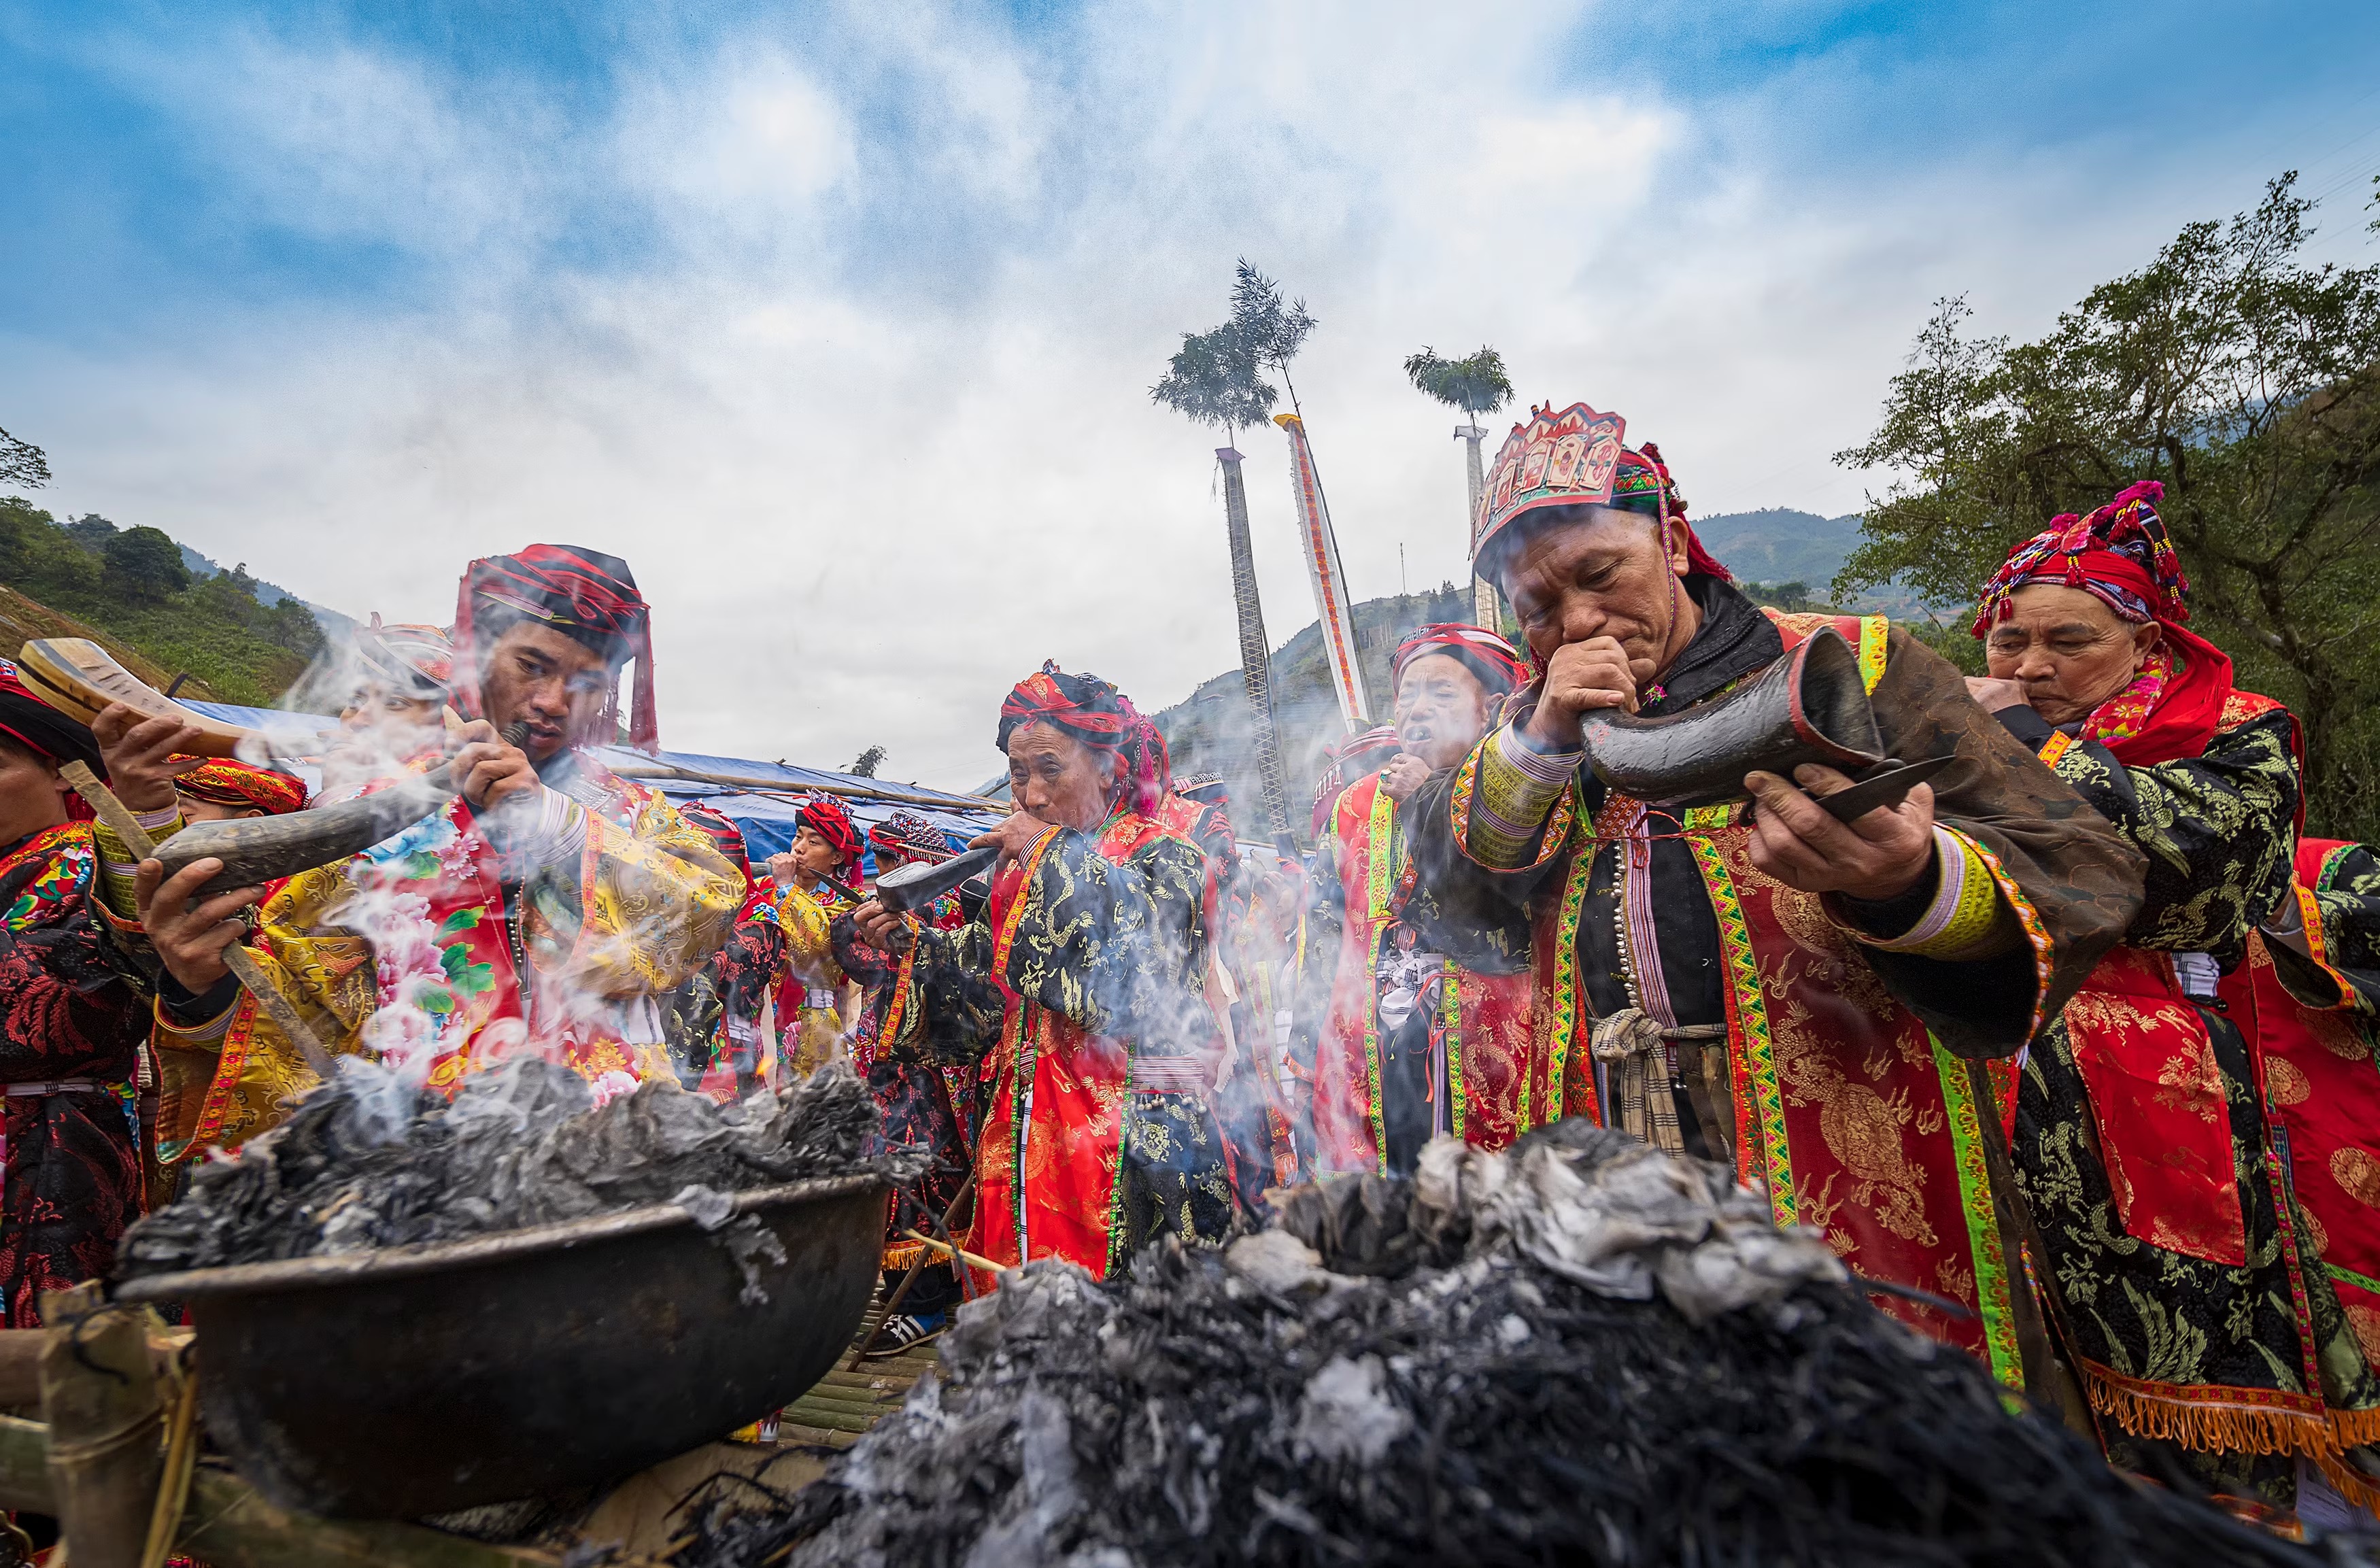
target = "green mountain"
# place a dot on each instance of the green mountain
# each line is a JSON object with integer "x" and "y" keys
{"x": 1208, "y": 731}
{"x": 136, "y": 586}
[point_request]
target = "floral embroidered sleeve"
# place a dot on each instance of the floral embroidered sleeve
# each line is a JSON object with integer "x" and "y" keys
{"x": 642, "y": 907}
{"x": 810, "y": 939}
{"x": 2217, "y": 828}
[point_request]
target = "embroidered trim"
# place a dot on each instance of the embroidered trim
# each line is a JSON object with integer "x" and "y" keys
{"x": 2055, "y": 747}
{"x": 1964, "y": 908}
{"x": 1379, "y": 846}
{"x": 1751, "y": 1047}
{"x": 238, "y": 1043}
{"x": 1966, "y": 1128}
{"x": 1453, "y": 1036}
{"x": 1520, "y": 792}
{"x": 2215, "y": 1418}
{"x": 2034, "y": 932}
{"x": 1564, "y": 1004}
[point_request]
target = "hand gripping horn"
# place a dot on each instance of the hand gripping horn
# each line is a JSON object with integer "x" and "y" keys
{"x": 257, "y": 850}
{"x": 1810, "y": 706}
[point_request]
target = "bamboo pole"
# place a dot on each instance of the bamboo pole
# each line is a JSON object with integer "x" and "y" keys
{"x": 948, "y": 801}
{"x": 99, "y": 1397}
{"x": 1255, "y": 657}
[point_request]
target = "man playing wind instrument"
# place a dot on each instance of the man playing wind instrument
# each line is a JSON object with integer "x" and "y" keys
{"x": 1778, "y": 989}
{"x": 545, "y": 908}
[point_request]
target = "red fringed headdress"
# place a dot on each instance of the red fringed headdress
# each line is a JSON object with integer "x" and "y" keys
{"x": 240, "y": 787}
{"x": 1574, "y": 457}
{"x": 586, "y": 595}
{"x": 1094, "y": 713}
{"x": 1496, "y": 662}
{"x": 827, "y": 817}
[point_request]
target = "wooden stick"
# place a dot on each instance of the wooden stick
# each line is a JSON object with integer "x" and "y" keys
{"x": 959, "y": 1253}
{"x": 917, "y": 1269}
{"x": 235, "y": 957}
{"x": 948, "y": 800}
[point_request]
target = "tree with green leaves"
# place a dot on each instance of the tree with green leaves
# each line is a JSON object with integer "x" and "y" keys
{"x": 1216, "y": 381}
{"x": 22, "y": 463}
{"x": 1477, "y": 385}
{"x": 144, "y": 566}
{"x": 2244, "y": 379}
{"x": 1271, "y": 331}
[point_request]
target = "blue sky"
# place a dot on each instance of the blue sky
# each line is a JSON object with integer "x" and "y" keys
{"x": 790, "y": 303}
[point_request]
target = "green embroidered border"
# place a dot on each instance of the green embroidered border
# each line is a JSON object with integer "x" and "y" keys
{"x": 1381, "y": 848}
{"x": 1984, "y": 1240}
{"x": 1563, "y": 1009}
{"x": 1452, "y": 1014}
{"x": 1020, "y": 1116}
{"x": 1747, "y": 1018}
{"x": 2349, "y": 1277}
{"x": 1115, "y": 1183}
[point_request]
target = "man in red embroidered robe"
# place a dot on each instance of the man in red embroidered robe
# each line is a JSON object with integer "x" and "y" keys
{"x": 812, "y": 997}
{"x": 1802, "y": 998}
{"x": 548, "y": 907}
{"x": 1426, "y": 1028}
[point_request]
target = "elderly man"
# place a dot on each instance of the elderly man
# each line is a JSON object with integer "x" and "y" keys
{"x": 546, "y": 908}
{"x": 1424, "y": 1024}
{"x": 1784, "y": 991}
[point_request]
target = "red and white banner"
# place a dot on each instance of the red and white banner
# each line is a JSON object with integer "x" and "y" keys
{"x": 1330, "y": 580}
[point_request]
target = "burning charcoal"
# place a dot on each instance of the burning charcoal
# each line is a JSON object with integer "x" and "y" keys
{"x": 364, "y": 1163}
{"x": 1579, "y": 1351}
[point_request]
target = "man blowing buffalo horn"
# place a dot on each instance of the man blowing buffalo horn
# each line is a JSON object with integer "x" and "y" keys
{"x": 1768, "y": 987}
{"x": 546, "y": 908}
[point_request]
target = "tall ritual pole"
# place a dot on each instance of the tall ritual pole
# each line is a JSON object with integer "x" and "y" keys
{"x": 1255, "y": 654}
{"x": 1483, "y": 592}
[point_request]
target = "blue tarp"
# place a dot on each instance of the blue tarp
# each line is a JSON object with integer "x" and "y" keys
{"x": 762, "y": 801}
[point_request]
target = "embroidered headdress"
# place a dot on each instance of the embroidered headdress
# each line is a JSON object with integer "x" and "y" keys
{"x": 1573, "y": 457}
{"x": 1496, "y": 662}
{"x": 586, "y": 595}
{"x": 240, "y": 787}
{"x": 2121, "y": 554}
{"x": 830, "y": 819}
{"x": 410, "y": 659}
{"x": 910, "y": 836}
{"x": 1094, "y": 713}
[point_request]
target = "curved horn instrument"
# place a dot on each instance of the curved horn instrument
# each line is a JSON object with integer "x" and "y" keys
{"x": 257, "y": 850}
{"x": 80, "y": 678}
{"x": 1810, "y": 706}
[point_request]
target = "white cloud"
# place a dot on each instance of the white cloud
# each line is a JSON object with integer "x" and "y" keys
{"x": 868, "y": 408}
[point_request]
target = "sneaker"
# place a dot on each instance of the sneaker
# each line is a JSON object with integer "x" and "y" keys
{"x": 907, "y": 1331}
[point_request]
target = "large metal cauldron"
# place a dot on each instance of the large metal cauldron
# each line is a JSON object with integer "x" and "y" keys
{"x": 418, "y": 1379}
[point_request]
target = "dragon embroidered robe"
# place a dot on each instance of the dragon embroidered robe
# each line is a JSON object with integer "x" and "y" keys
{"x": 441, "y": 947}
{"x": 1837, "y": 1063}
{"x": 1099, "y": 1134}
{"x": 2209, "y": 1340}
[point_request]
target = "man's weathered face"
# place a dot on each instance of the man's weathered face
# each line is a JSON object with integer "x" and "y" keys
{"x": 1441, "y": 709}
{"x": 2067, "y": 648}
{"x": 1055, "y": 777}
{"x": 553, "y": 683}
{"x": 1586, "y": 572}
{"x": 33, "y": 795}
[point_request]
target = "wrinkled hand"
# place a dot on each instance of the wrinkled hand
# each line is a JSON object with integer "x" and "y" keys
{"x": 1015, "y": 834}
{"x": 882, "y": 930}
{"x": 189, "y": 938}
{"x": 138, "y": 754}
{"x": 1877, "y": 857}
{"x": 1580, "y": 677}
{"x": 1403, "y": 776}
{"x": 1992, "y": 694}
{"x": 494, "y": 775}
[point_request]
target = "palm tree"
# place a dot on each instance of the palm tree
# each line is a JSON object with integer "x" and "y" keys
{"x": 1213, "y": 382}
{"x": 1477, "y": 386}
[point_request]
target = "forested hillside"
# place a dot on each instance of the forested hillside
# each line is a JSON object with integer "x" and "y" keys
{"x": 136, "y": 587}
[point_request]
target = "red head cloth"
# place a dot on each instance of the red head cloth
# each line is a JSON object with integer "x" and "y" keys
{"x": 1496, "y": 663}
{"x": 1094, "y": 713}
{"x": 584, "y": 594}
{"x": 41, "y": 729}
{"x": 241, "y": 787}
{"x": 2122, "y": 556}
{"x": 910, "y": 836}
{"x": 830, "y": 819}
{"x": 1574, "y": 457}
{"x": 723, "y": 833}
{"x": 410, "y": 659}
